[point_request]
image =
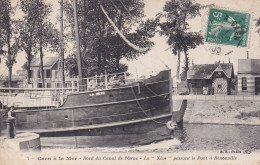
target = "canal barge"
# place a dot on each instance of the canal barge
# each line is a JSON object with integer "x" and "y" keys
{"x": 136, "y": 108}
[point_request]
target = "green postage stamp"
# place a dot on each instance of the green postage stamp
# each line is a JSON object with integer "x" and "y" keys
{"x": 228, "y": 27}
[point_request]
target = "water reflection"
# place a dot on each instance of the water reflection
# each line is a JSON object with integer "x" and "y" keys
{"x": 186, "y": 137}
{"x": 218, "y": 137}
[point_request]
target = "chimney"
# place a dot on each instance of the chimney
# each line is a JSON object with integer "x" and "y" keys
{"x": 223, "y": 62}
{"x": 247, "y": 55}
{"x": 192, "y": 62}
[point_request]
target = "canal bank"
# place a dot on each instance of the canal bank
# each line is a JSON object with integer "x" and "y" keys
{"x": 221, "y": 111}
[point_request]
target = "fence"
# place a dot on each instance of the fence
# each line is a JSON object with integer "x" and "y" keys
{"x": 217, "y": 97}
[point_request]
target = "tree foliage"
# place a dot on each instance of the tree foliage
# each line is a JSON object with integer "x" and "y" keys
{"x": 38, "y": 33}
{"x": 175, "y": 27}
{"x": 9, "y": 40}
{"x": 257, "y": 24}
{"x": 101, "y": 46}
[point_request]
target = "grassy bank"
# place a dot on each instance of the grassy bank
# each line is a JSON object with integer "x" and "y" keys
{"x": 223, "y": 112}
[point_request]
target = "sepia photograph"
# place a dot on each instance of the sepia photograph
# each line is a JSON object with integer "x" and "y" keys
{"x": 129, "y": 82}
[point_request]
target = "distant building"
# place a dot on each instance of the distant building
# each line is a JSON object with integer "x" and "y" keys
{"x": 52, "y": 78}
{"x": 248, "y": 76}
{"x": 16, "y": 82}
{"x": 210, "y": 78}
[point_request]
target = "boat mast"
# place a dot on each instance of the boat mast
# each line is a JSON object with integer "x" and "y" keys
{"x": 78, "y": 45}
{"x": 61, "y": 46}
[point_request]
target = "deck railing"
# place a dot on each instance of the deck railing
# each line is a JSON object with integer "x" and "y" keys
{"x": 33, "y": 97}
{"x": 55, "y": 96}
{"x": 107, "y": 81}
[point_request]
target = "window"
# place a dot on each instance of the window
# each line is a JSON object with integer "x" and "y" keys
{"x": 68, "y": 85}
{"x": 56, "y": 74}
{"x": 48, "y": 73}
{"x": 75, "y": 84}
{"x": 219, "y": 86}
{"x": 39, "y": 74}
{"x": 244, "y": 83}
{"x": 48, "y": 85}
{"x": 58, "y": 85}
{"x": 31, "y": 74}
{"x": 39, "y": 85}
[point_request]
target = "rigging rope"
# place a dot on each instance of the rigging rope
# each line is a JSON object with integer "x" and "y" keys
{"x": 120, "y": 34}
{"x": 153, "y": 92}
{"x": 113, "y": 4}
{"x": 143, "y": 109}
{"x": 126, "y": 9}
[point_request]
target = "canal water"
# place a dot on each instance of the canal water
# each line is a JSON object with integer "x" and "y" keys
{"x": 219, "y": 137}
{"x": 190, "y": 137}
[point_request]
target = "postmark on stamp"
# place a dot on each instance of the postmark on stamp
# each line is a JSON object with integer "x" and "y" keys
{"x": 228, "y": 27}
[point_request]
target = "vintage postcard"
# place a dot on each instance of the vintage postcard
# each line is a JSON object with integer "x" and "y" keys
{"x": 129, "y": 82}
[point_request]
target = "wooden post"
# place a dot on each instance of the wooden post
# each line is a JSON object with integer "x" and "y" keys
{"x": 87, "y": 84}
{"x": 72, "y": 118}
{"x": 10, "y": 123}
{"x": 106, "y": 81}
{"x": 96, "y": 79}
{"x": 170, "y": 89}
{"x": 3, "y": 101}
{"x": 1, "y": 127}
{"x": 125, "y": 77}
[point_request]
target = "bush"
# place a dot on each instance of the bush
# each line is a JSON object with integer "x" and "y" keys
{"x": 245, "y": 115}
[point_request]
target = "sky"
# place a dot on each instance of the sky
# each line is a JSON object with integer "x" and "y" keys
{"x": 161, "y": 54}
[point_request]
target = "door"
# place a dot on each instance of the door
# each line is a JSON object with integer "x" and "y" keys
{"x": 220, "y": 86}
{"x": 257, "y": 85}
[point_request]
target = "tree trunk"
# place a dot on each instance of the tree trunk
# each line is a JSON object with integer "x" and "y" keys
{"x": 9, "y": 58}
{"x": 28, "y": 68}
{"x": 41, "y": 67}
{"x": 186, "y": 67}
{"x": 118, "y": 51}
{"x": 178, "y": 65}
{"x": 99, "y": 59}
{"x": 28, "y": 51}
{"x": 61, "y": 46}
{"x": 10, "y": 68}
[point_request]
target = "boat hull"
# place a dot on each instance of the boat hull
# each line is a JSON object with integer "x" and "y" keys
{"x": 139, "y": 133}
{"x": 131, "y": 110}
{"x": 117, "y": 128}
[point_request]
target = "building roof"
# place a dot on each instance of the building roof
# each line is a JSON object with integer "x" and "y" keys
{"x": 205, "y": 71}
{"x": 251, "y": 66}
{"x": 47, "y": 61}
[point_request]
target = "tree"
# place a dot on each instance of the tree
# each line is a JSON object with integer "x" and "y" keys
{"x": 28, "y": 33}
{"x": 38, "y": 32}
{"x": 8, "y": 37}
{"x": 175, "y": 28}
{"x": 101, "y": 45}
{"x": 46, "y": 34}
{"x": 257, "y": 24}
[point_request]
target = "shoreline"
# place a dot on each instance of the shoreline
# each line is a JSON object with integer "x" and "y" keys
{"x": 216, "y": 123}
{"x": 221, "y": 112}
